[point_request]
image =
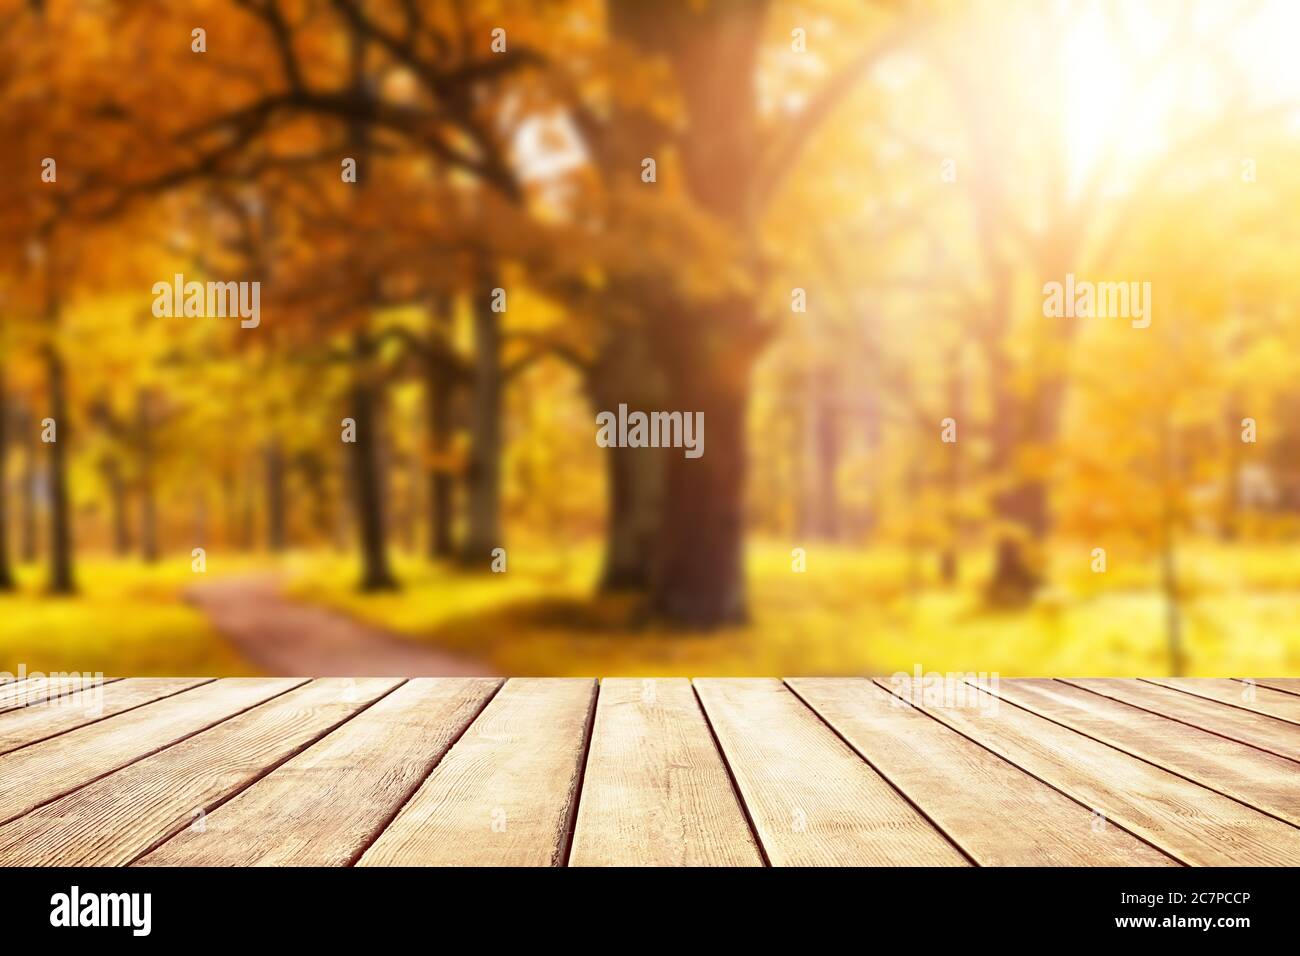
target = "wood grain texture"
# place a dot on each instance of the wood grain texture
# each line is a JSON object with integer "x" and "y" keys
{"x": 1263, "y": 780}
{"x": 1287, "y": 685}
{"x": 1259, "y": 700}
{"x": 36, "y": 690}
{"x": 1187, "y": 821}
{"x": 655, "y": 791}
{"x": 29, "y": 725}
{"x": 505, "y": 794}
{"x": 1266, "y": 733}
{"x": 327, "y": 804}
{"x": 813, "y": 800}
{"x": 1017, "y": 820}
{"x": 549, "y": 772}
{"x": 39, "y": 773}
{"x": 116, "y": 819}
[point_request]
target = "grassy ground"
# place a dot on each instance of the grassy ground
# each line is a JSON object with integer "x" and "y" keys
{"x": 850, "y": 612}
{"x": 128, "y": 619}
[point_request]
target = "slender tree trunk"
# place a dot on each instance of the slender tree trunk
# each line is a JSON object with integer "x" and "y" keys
{"x": 409, "y": 522}
{"x": 61, "y": 575}
{"x": 1170, "y": 472}
{"x": 344, "y": 517}
{"x": 28, "y": 532}
{"x": 148, "y": 498}
{"x": 248, "y": 506}
{"x": 442, "y": 482}
{"x": 201, "y": 521}
{"x": 439, "y": 388}
{"x": 275, "y": 497}
{"x": 111, "y": 469}
{"x": 229, "y": 507}
{"x": 483, "y": 525}
{"x": 952, "y": 474}
{"x": 825, "y": 433}
{"x": 6, "y": 572}
{"x": 314, "y": 473}
{"x": 377, "y": 574}
{"x": 1173, "y": 611}
{"x": 1230, "y": 508}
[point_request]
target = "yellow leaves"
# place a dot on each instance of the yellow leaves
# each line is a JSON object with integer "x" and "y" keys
{"x": 637, "y": 82}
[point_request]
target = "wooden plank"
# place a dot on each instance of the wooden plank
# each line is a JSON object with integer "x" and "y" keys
{"x": 655, "y": 791}
{"x": 1187, "y": 821}
{"x": 1265, "y": 733}
{"x": 326, "y": 805}
{"x": 505, "y": 794}
{"x": 39, "y": 773}
{"x": 1259, "y": 700}
{"x": 997, "y": 813}
{"x": 29, "y": 725}
{"x": 1263, "y": 780}
{"x": 125, "y": 814}
{"x": 813, "y": 801}
{"x": 37, "y": 690}
{"x": 1287, "y": 685}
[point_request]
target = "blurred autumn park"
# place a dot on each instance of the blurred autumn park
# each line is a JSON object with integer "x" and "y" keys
{"x": 827, "y": 227}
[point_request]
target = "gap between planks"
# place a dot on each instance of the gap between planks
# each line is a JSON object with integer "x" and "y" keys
{"x": 1185, "y": 820}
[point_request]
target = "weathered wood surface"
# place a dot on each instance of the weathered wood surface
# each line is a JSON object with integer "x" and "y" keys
{"x": 658, "y": 772}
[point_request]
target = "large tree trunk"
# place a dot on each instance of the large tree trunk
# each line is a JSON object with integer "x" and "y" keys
{"x": 377, "y": 574}
{"x": 706, "y": 348}
{"x": 483, "y": 520}
{"x": 625, "y": 373}
{"x": 61, "y": 576}
{"x": 1020, "y": 507}
{"x": 1023, "y": 507}
{"x": 634, "y": 493}
{"x": 6, "y": 573}
{"x": 699, "y": 574}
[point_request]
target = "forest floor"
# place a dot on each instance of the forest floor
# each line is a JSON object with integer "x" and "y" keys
{"x": 126, "y": 619}
{"x": 853, "y": 611}
{"x": 286, "y": 637}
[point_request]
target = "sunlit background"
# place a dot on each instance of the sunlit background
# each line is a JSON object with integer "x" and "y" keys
{"x": 828, "y": 226}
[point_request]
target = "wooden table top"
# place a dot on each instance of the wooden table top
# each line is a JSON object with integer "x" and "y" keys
{"x": 737, "y": 772}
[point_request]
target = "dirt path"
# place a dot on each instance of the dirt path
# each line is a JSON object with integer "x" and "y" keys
{"x": 285, "y": 638}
